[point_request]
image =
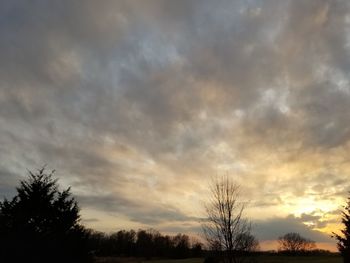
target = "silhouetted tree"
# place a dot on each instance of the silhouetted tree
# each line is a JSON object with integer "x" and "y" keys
{"x": 144, "y": 243}
{"x": 196, "y": 248}
{"x": 98, "y": 243}
{"x": 294, "y": 243}
{"x": 226, "y": 229}
{"x": 163, "y": 245}
{"x": 41, "y": 223}
{"x": 123, "y": 242}
{"x": 344, "y": 238}
{"x": 247, "y": 243}
{"x": 181, "y": 246}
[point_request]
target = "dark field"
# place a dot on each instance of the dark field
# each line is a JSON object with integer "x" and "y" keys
{"x": 289, "y": 259}
{"x": 259, "y": 259}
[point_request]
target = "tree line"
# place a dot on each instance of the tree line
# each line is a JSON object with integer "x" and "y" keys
{"x": 143, "y": 243}
{"x": 42, "y": 224}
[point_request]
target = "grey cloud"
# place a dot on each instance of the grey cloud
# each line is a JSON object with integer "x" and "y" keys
{"x": 107, "y": 202}
{"x": 182, "y": 229}
{"x": 8, "y": 179}
{"x": 160, "y": 215}
{"x": 273, "y": 228}
{"x": 96, "y": 90}
{"x": 269, "y": 200}
{"x": 147, "y": 213}
{"x": 90, "y": 220}
{"x": 315, "y": 220}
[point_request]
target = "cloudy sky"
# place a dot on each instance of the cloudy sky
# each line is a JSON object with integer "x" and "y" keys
{"x": 138, "y": 104}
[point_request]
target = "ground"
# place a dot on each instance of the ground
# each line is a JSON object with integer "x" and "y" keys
{"x": 260, "y": 259}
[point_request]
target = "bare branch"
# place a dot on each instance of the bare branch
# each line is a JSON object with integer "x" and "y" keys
{"x": 225, "y": 229}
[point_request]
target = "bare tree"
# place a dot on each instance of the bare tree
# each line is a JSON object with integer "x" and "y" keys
{"x": 225, "y": 228}
{"x": 295, "y": 243}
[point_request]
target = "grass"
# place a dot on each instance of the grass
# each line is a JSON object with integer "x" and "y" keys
{"x": 140, "y": 260}
{"x": 295, "y": 259}
{"x": 259, "y": 259}
{"x": 187, "y": 260}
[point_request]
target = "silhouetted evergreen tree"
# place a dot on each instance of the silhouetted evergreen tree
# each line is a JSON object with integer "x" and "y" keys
{"x": 344, "y": 239}
{"x": 41, "y": 223}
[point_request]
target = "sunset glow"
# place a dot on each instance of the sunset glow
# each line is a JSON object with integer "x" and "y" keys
{"x": 137, "y": 105}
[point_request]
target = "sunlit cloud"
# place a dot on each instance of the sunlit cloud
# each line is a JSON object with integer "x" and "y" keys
{"x": 137, "y": 105}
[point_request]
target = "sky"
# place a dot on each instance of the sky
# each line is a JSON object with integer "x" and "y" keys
{"x": 138, "y": 104}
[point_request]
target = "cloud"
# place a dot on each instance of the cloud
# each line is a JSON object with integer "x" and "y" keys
{"x": 8, "y": 180}
{"x": 141, "y": 103}
{"x": 273, "y": 228}
{"x": 144, "y": 213}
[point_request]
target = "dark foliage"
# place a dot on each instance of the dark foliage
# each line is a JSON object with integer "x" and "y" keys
{"x": 344, "y": 238}
{"x": 41, "y": 223}
{"x": 143, "y": 243}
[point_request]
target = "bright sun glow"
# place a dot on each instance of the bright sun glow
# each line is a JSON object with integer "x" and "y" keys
{"x": 308, "y": 205}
